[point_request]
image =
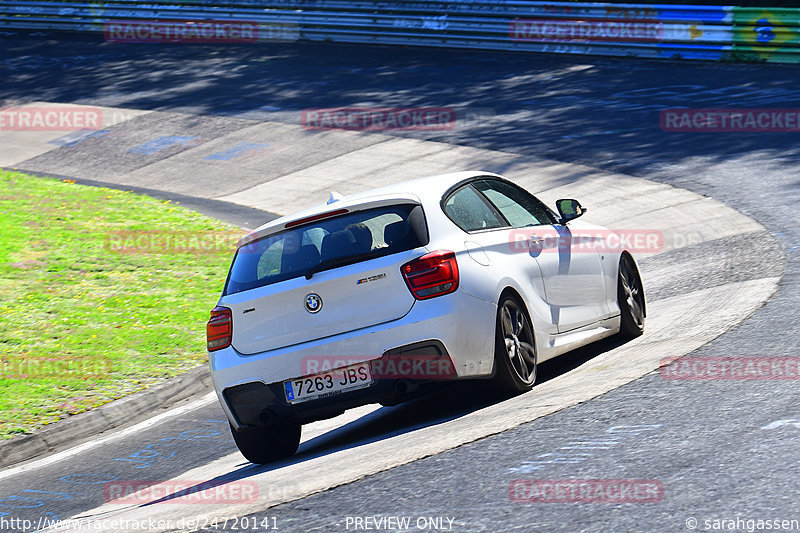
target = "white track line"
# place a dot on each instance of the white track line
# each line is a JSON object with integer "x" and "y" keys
{"x": 121, "y": 434}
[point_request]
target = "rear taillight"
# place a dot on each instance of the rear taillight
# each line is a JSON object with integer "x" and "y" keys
{"x": 431, "y": 275}
{"x": 219, "y": 329}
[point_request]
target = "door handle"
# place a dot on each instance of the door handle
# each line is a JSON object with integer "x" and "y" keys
{"x": 535, "y": 245}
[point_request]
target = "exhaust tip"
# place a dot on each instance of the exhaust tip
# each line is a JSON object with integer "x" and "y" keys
{"x": 405, "y": 387}
{"x": 265, "y": 417}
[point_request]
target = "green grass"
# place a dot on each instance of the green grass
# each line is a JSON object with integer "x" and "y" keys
{"x": 87, "y": 315}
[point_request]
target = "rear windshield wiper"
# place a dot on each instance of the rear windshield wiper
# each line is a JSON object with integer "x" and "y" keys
{"x": 334, "y": 262}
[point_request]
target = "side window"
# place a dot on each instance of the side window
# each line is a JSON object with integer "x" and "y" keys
{"x": 313, "y": 236}
{"x": 269, "y": 264}
{"x": 470, "y": 212}
{"x": 518, "y": 206}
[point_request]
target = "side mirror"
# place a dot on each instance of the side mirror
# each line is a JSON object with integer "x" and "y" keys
{"x": 569, "y": 209}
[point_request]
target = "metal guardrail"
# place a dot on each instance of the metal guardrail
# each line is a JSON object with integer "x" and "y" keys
{"x": 658, "y": 31}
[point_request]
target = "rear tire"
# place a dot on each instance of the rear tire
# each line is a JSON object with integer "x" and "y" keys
{"x": 515, "y": 352}
{"x": 267, "y": 444}
{"x": 630, "y": 297}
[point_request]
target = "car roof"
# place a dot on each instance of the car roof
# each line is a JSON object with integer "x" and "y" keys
{"x": 425, "y": 190}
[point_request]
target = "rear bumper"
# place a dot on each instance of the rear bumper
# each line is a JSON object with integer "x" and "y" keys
{"x": 459, "y": 324}
{"x": 258, "y": 404}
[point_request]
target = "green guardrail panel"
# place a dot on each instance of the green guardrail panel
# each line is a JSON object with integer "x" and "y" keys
{"x": 767, "y": 34}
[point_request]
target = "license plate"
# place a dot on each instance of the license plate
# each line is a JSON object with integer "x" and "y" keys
{"x": 328, "y": 383}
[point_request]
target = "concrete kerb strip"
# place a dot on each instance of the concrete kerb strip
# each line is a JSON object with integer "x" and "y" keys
{"x": 130, "y": 409}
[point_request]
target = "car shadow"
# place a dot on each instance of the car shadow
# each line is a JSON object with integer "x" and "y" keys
{"x": 449, "y": 402}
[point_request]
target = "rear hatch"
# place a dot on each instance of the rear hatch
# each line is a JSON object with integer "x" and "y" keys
{"x": 324, "y": 277}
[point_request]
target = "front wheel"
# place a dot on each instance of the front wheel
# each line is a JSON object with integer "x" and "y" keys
{"x": 630, "y": 297}
{"x": 267, "y": 444}
{"x": 515, "y": 354}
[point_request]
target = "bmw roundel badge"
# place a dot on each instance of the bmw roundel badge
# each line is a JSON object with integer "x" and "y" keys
{"x": 313, "y": 303}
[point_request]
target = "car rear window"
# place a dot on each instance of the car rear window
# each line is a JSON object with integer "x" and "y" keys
{"x": 327, "y": 243}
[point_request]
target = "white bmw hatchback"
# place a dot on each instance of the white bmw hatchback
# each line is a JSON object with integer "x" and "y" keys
{"x": 378, "y": 296}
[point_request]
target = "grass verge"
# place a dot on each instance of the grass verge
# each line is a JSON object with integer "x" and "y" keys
{"x": 102, "y": 293}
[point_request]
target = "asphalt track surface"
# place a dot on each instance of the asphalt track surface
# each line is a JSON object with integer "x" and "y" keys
{"x": 715, "y": 446}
